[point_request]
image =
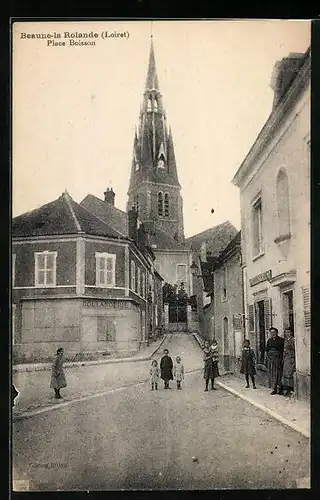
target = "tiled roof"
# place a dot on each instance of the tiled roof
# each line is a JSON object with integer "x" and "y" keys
{"x": 62, "y": 216}
{"x": 216, "y": 238}
{"x": 107, "y": 212}
{"x": 164, "y": 242}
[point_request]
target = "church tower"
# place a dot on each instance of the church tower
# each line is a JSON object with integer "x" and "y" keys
{"x": 154, "y": 186}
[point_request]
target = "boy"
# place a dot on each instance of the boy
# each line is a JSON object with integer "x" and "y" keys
{"x": 166, "y": 366}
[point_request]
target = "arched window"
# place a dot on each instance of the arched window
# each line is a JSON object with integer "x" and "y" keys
{"x": 155, "y": 105}
{"x": 149, "y": 107}
{"x": 161, "y": 162}
{"x": 283, "y": 206}
{"x": 166, "y": 205}
{"x": 160, "y": 203}
{"x": 137, "y": 203}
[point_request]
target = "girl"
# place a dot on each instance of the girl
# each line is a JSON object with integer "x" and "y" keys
{"x": 58, "y": 380}
{"x": 210, "y": 363}
{"x": 178, "y": 372}
{"x": 166, "y": 366}
{"x": 154, "y": 372}
{"x": 248, "y": 363}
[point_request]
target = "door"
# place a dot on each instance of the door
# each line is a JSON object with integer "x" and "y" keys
{"x": 288, "y": 310}
{"x": 261, "y": 331}
{"x": 226, "y": 344}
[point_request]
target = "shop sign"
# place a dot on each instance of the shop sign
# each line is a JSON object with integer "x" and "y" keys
{"x": 108, "y": 304}
{"x": 266, "y": 276}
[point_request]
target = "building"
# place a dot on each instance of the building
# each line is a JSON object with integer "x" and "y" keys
{"x": 204, "y": 246}
{"x": 274, "y": 183}
{"x": 78, "y": 283}
{"x": 154, "y": 188}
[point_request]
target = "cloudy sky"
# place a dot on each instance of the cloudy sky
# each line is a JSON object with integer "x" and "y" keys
{"x": 75, "y": 108}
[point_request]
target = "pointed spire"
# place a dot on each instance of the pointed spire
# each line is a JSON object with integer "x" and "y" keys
{"x": 152, "y": 78}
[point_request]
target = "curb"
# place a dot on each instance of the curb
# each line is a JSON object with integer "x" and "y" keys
{"x": 47, "y": 366}
{"x": 45, "y": 409}
{"x": 272, "y": 413}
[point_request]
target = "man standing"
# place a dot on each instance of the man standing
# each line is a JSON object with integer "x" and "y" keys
{"x": 166, "y": 366}
{"x": 274, "y": 350}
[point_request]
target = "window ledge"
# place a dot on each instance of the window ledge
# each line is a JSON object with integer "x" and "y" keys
{"x": 283, "y": 237}
{"x": 261, "y": 254}
{"x": 44, "y": 286}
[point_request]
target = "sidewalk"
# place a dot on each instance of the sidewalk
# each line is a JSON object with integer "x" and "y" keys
{"x": 290, "y": 412}
{"x": 144, "y": 354}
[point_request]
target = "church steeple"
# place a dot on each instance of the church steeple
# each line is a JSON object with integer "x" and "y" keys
{"x": 153, "y": 168}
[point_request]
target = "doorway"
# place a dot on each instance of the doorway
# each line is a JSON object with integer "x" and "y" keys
{"x": 261, "y": 331}
{"x": 288, "y": 310}
{"x": 226, "y": 344}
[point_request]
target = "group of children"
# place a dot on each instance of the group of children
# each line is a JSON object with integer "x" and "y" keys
{"x": 167, "y": 371}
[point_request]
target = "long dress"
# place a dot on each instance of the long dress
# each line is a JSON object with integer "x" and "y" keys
{"x": 58, "y": 379}
{"x": 248, "y": 361}
{"x": 166, "y": 366}
{"x": 154, "y": 374}
{"x": 178, "y": 372}
{"x": 289, "y": 363}
{"x": 274, "y": 350}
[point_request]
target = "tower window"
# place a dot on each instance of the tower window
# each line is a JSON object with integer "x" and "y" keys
{"x": 161, "y": 162}
{"x": 137, "y": 166}
{"x": 160, "y": 204}
{"x": 155, "y": 105}
{"x": 166, "y": 205}
{"x": 136, "y": 202}
{"x": 149, "y": 107}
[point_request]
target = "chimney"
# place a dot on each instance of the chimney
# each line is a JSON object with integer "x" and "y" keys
{"x": 133, "y": 223}
{"x": 284, "y": 72}
{"x": 109, "y": 196}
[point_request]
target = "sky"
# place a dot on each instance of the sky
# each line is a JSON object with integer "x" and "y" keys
{"x": 75, "y": 108}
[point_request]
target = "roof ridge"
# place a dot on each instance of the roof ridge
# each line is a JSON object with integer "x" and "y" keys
{"x": 101, "y": 220}
{"x": 218, "y": 227}
{"x": 67, "y": 197}
{"x": 102, "y": 201}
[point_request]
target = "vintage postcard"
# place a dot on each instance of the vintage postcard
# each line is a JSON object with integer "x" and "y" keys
{"x": 160, "y": 255}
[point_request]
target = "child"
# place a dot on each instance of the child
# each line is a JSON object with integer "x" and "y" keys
{"x": 248, "y": 363}
{"x": 178, "y": 372}
{"x": 154, "y": 372}
{"x": 166, "y": 366}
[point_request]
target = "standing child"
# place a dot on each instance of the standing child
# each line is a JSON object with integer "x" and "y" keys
{"x": 58, "y": 379}
{"x": 178, "y": 372}
{"x": 166, "y": 366}
{"x": 154, "y": 372}
{"x": 248, "y": 363}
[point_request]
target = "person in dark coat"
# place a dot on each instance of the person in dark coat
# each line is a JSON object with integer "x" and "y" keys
{"x": 14, "y": 394}
{"x": 166, "y": 366}
{"x": 274, "y": 350}
{"x": 210, "y": 356}
{"x": 289, "y": 362}
{"x": 248, "y": 363}
{"x": 58, "y": 379}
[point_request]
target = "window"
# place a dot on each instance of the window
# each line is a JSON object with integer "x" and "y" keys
{"x": 138, "y": 281}
{"x": 160, "y": 204}
{"x": 105, "y": 269}
{"x": 13, "y": 269}
{"x": 224, "y": 283}
{"x": 149, "y": 107}
{"x": 161, "y": 162}
{"x": 166, "y": 205}
{"x": 143, "y": 285}
{"x": 155, "y": 105}
{"x": 136, "y": 202}
{"x": 257, "y": 228}
{"x": 133, "y": 276}
{"x": 137, "y": 166}
{"x": 45, "y": 269}
{"x": 181, "y": 274}
{"x": 283, "y": 210}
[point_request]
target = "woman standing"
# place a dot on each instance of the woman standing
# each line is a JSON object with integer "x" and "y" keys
{"x": 58, "y": 379}
{"x": 274, "y": 350}
{"x": 289, "y": 362}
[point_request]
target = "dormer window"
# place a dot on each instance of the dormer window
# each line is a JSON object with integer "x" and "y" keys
{"x": 161, "y": 163}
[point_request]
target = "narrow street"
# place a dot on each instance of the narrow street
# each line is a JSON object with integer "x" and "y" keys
{"x": 135, "y": 438}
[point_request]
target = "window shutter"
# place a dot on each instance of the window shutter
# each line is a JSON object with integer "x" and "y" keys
{"x": 306, "y": 306}
{"x": 251, "y": 318}
{"x": 268, "y": 313}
